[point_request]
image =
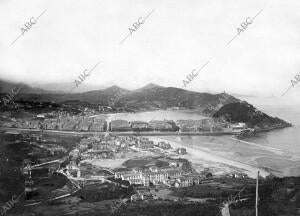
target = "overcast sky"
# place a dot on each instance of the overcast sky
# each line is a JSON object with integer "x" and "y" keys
{"x": 179, "y": 36}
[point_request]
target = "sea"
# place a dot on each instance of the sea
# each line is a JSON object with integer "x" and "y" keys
{"x": 277, "y": 150}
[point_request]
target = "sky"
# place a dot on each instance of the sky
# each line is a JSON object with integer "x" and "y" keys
{"x": 176, "y": 38}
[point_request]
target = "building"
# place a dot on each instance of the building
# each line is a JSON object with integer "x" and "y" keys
{"x": 120, "y": 125}
{"x": 75, "y": 153}
{"x": 141, "y": 195}
{"x": 145, "y": 145}
{"x": 133, "y": 178}
{"x": 160, "y": 125}
{"x": 98, "y": 154}
{"x": 152, "y": 176}
{"x": 238, "y": 127}
{"x": 164, "y": 145}
{"x": 122, "y": 171}
{"x": 181, "y": 151}
{"x": 73, "y": 170}
{"x": 189, "y": 125}
{"x": 101, "y": 146}
{"x": 98, "y": 125}
{"x": 140, "y": 126}
{"x": 84, "y": 125}
{"x": 153, "y": 169}
{"x": 186, "y": 181}
{"x": 172, "y": 163}
{"x": 40, "y": 116}
{"x": 137, "y": 169}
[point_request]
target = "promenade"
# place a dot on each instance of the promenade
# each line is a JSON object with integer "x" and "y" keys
{"x": 122, "y": 133}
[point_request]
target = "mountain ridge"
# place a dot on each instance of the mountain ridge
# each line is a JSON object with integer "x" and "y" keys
{"x": 153, "y": 97}
{"x": 149, "y": 96}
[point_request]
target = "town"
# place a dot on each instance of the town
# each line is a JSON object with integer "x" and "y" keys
{"x": 84, "y": 123}
{"x": 146, "y": 169}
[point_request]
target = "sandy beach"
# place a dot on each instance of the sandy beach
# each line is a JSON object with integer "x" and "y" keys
{"x": 196, "y": 156}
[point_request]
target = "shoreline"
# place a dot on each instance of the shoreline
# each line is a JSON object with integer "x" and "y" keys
{"x": 135, "y": 133}
{"x": 196, "y": 156}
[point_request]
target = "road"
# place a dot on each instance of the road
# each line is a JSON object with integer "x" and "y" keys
{"x": 154, "y": 133}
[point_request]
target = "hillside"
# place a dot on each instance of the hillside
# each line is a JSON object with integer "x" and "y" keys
{"x": 244, "y": 112}
{"x": 149, "y": 97}
{"x": 153, "y": 96}
{"x": 6, "y": 87}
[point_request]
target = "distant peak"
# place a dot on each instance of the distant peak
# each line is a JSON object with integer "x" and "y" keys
{"x": 151, "y": 85}
{"x": 114, "y": 87}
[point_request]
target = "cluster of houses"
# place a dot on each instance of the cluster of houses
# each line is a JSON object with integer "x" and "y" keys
{"x": 105, "y": 147}
{"x": 77, "y": 123}
{"x": 21, "y": 123}
{"x": 65, "y": 121}
{"x": 170, "y": 176}
{"x": 86, "y": 171}
{"x": 95, "y": 147}
{"x": 61, "y": 122}
{"x": 154, "y": 125}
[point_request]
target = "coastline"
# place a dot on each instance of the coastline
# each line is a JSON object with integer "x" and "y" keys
{"x": 135, "y": 133}
{"x": 196, "y": 156}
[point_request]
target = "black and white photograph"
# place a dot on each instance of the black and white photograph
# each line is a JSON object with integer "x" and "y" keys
{"x": 149, "y": 108}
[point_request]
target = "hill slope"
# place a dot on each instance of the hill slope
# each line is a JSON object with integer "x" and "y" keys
{"x": 244, "y": 112}
{"x": 149, "y": 97}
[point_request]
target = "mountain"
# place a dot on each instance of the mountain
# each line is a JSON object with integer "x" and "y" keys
{"x": 101, "y": 96}
{"x": 245, "y": 112}
{"x": 151, "y": 96}
{"x": 154, "y": 96}
{"x": 6, "y": 87}
{"x": 149, "y": 86}
{"x": 115, "y": 90}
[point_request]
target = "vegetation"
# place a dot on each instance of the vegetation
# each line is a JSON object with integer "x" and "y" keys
{"x": 94, "y": 193}
{"x": 244, "y": 112}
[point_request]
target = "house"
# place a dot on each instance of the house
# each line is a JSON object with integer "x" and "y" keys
{"x": 188, "y": 125}
{"x": 145, "y": 145}
{"x": 174, "y": 173}
{"x": 98, "y": 154}
{"x": 133, "y": 178}
{"x": 238, "y": 127}
{"x": 84, "y": 126}
{"x": 144, "y": 194}
{"x": 160, "y": 125}
{"x": 164, "y": 145}
{"x": 136, "y": 197}
{"x": 139, "y": 125}
{"x": 83, "y": 147}
{"x": 152, "y": 176}
{"x": 40, "y": 116}
{"x": 73, "y": 169}
{"x": 155, "y": 177}
{"x": 153, "y": 169}
{"x": 172, "y": 163}
{"x": 137, "y": 169}
{"x": 98, "y": 125}
{"x": 75, "y": 153}
{"x": 120, "y": 125}
{"x": 181, "y": 151}
{"x": 100, "y": 146}
{"x": 122, "y": 171}
{"x": 186, "y": 181}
